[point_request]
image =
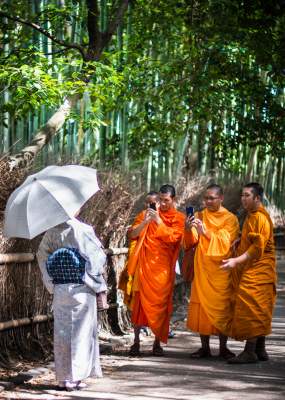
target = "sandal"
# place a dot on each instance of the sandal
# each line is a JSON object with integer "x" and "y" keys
{"x": 201, "y": 353}
{"x": 70, "y": 386}
{"x": 226, "y": 354}
{"x": 81, "y": 385}
{"x": 135, "y": 350}
{"x": 246, "y": 357}
{"x": 262, "y": 355}
{"x": 157, "y": 350}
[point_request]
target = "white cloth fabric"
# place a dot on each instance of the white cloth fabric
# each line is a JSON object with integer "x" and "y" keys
{"x": 74, "y": 233}
{"x": 76, "y": 348}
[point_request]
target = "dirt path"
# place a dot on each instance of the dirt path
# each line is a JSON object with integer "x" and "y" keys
{"x": 176, "y": 376}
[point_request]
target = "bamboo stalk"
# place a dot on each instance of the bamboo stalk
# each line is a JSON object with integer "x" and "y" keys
{"x": 15, "y": 323}
{"x": 28, "y": 257}
{"x": 16, "y": 258}
{"x": 116, "y": 251}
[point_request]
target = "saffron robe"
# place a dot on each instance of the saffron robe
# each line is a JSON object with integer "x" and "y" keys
{"x": 255, "y": 280}
{"x": 125, "y": 281}
{"x": 151, "y": 269}
{"x": 211, "y": 306}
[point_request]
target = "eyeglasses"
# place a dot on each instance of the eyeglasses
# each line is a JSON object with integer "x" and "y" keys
{"x": 211, "y": 198}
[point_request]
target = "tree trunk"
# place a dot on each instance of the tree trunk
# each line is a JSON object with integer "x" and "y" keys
{"x": 26, "y": 156}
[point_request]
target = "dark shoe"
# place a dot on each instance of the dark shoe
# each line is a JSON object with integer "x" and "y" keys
{"x": 226, "y": 354}
{"x": 135, "y": 350}
{"x": 201, "y": 353}
{"x": 262, "y": 355}
{"x": 157, "y": 350}
{"x": 246, "y": 357}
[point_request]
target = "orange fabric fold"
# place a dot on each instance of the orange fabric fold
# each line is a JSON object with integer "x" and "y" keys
{"x": 255, "y": 280}
{"x": 125, "y": 281}
{"x": 133, "y": 257}
{"x": 211, "y": 301}
{"x": 152, "y": 264}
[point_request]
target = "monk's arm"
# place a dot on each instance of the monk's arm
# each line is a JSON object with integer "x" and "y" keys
{"x": 233, "y": 262}
{"x": 138, "y": 226}
{"x": 190, "y": 238}
{"x": 221, "y": 240}
{"x": 135, "y": 232}
{"x": 258, "y": 236}
{"x": 171, "y": 234}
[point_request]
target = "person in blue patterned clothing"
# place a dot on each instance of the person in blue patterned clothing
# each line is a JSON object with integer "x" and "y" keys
{"x": 71, "y": 260}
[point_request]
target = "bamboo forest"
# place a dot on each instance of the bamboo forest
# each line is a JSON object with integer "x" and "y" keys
{"x": 163, "y": 88}
{"x": 147, "y": 92}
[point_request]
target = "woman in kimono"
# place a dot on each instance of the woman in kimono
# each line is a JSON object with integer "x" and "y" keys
{"x": 71, "y": 260}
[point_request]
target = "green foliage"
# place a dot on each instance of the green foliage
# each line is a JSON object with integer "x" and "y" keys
{"x": 211, "y": 72}
{"x": 202, "y": 62}
{"x": 29, "y": 86}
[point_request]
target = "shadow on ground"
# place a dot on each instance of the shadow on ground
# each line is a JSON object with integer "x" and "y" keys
{"x": 176, "y": 376}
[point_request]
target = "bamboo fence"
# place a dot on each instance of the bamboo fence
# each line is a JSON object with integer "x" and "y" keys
{"x": 26, "y": 259}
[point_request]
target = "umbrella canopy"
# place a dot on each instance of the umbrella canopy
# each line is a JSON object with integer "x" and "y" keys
{"x": 48, "y": 198}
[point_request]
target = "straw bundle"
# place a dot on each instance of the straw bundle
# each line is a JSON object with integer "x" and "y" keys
{"x": 110, "y": 212}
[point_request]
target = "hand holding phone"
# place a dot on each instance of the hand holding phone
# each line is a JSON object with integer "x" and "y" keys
{"x": 152, "y": 206}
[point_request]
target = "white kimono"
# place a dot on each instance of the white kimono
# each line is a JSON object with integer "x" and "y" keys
{"x": 76, "y": 347}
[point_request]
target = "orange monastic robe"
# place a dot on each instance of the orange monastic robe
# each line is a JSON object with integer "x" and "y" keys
{"x": 151, "y": 266}
{"x": 210, "y": 309}
{"x": 255, "y": 281}
{"x": 125, "y": 282}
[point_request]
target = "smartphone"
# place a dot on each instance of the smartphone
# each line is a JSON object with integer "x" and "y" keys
{"x": 153, "y": 206}
{"x": 190, "y": 211}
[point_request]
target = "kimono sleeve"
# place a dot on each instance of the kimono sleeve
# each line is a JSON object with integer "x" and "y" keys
{"x": 42, "y": 255}
{"x": 91, "y": 249}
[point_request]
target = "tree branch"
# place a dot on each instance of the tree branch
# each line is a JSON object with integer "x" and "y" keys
{"x": 45, "y": 33}
{"x": 27, "y": 155}
{"x": 92, "y": 22}
{"x": 115, "y": 22}
{"x": 98, "y": 40}
{"x": 95, "y": 36}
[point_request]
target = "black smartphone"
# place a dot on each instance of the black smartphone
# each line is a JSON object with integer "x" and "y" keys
{"x": 190, "y": 211}
{"x": 153, "y": 206}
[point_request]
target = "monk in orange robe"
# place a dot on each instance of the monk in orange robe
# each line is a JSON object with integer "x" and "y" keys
{"x": 125, "y": 282}
{"x": 213, "y": 231}
{"x": 254, "y": 273}
{"x": 151, "y": 267}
